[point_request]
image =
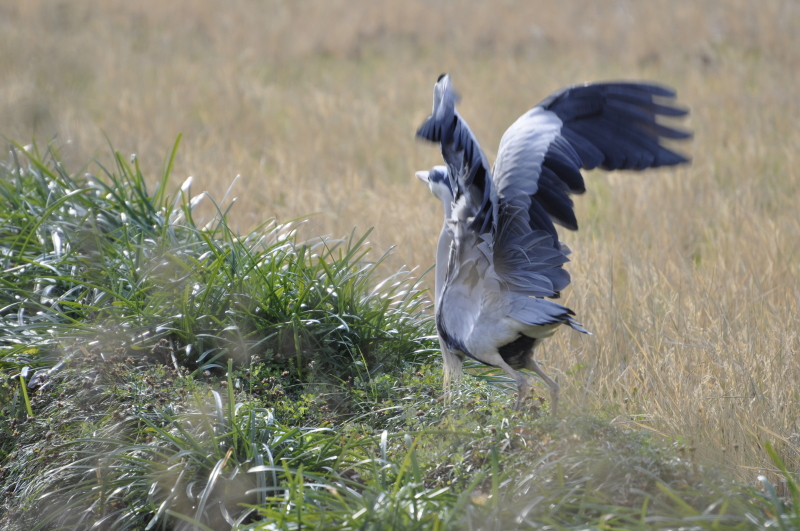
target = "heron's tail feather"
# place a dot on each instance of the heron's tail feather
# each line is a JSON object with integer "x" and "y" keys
{"x": 575, "y": 325}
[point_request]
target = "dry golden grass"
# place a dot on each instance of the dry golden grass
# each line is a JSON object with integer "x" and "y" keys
{"x": 688, "y": 278}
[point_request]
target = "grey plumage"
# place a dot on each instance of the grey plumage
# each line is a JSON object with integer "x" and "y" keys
{"x": 499, "y": 256}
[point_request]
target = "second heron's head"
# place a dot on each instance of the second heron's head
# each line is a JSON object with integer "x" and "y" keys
{"x": 438, "y": 183}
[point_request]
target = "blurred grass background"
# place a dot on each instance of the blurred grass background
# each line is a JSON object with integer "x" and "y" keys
{"x": 688, "y": 278}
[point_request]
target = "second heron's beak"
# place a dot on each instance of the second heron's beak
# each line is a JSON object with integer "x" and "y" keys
{"x": 423, "y": 176}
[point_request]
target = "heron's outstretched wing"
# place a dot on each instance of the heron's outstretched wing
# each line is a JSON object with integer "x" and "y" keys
{"x": 468, "y": 169}
{"x": 610, "y": 125}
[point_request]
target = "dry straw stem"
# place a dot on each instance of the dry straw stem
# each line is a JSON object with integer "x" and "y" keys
{"x": 688, "y": 278}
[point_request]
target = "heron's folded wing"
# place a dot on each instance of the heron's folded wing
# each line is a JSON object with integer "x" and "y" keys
{"x": 468, "y": 168}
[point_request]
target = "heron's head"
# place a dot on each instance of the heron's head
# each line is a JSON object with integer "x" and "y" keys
{"x": 438, "y": 183}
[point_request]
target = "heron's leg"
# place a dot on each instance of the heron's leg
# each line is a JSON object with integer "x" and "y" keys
{"x": 531, "y": 365}
{"x": 523, "y": 386}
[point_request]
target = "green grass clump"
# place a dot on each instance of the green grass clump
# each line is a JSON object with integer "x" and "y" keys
{"x": 103, "y": 260}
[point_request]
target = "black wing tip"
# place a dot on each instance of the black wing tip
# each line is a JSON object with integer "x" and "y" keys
{"x": 673, "y": 133}
{"x": 441, "y": 76}
{"x": 663, "y": 159}
{"x": 619, "y": 87}
{"x": 672, "y": 111}
{"x": 624, "y": 85}
{"x": 654, "y": 89}
{"x": 672, "y": 158}
{"x": 567, "y": 224}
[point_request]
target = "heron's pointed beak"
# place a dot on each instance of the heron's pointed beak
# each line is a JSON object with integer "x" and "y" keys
{"x": 423, "y": 176}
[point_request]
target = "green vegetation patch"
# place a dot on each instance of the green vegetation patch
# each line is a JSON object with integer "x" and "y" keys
{"x": 102, "y": 261}
{"x": 160, "y": 372}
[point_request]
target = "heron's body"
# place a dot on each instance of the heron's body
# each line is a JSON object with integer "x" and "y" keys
{"x": 498, "y": 255}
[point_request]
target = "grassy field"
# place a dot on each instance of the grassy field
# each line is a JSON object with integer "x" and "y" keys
{"x": 688, "y": 278}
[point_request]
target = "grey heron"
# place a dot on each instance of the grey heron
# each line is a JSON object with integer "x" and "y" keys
{"x": 498, "y": 258}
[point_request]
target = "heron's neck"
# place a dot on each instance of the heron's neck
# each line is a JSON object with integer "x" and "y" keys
{"x": 442, "y": 252}
{"x": 447, "y": 205}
